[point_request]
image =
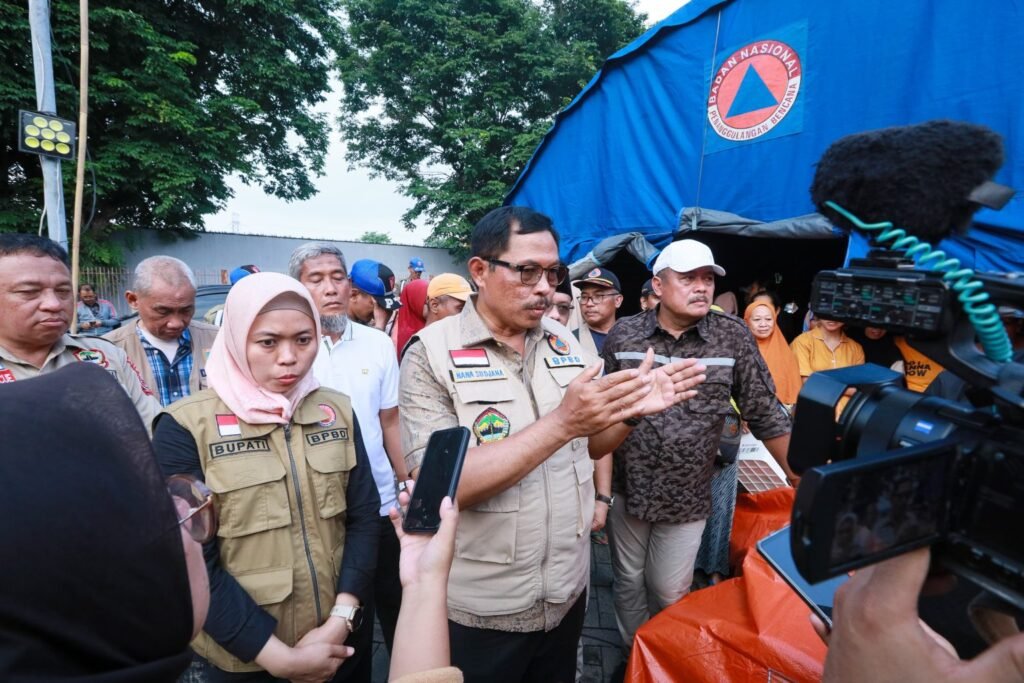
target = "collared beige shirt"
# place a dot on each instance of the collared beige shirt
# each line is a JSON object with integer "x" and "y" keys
{"x": 73, "y": 349}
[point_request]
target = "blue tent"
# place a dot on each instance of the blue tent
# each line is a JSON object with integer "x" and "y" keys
{"x": 727, "y": 104}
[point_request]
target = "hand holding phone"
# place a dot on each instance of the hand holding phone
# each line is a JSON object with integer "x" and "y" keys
{"x": 438, "y": 477}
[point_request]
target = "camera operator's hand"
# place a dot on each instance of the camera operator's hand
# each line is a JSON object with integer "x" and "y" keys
{"x": 877, "y": 635}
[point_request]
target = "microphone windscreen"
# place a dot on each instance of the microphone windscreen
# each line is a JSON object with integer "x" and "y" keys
{"x": 918, "y": 177}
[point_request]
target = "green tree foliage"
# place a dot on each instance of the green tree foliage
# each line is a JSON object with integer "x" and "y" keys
{"x": 450, "y": 97}
{"x": 375, "y": 237}
{"x": 183, "y": 93}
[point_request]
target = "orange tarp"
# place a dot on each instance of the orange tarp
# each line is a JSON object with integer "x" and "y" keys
{"x": 757, "y": 515}
{"x": 751, "y": 628}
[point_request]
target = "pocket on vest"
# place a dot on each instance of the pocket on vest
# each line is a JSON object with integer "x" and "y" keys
{"x": 270, "y": 588}
{"x": 487, "y": 531}
{"x": 329, "y": 473}
{"x": 585, "y": 494}
{"x": 251, "y": 494}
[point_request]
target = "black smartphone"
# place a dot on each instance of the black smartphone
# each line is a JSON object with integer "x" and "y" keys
{"x": 775, "y": 548}
{"x": 438, "y": 477}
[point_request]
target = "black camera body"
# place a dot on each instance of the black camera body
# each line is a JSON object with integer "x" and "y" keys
{"x": 898, "y": 469}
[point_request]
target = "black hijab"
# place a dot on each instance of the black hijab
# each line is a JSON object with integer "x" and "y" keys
{"x": 93, "y": 581}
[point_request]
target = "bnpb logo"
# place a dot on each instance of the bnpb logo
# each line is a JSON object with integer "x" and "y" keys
{"x": 753, "y": 90}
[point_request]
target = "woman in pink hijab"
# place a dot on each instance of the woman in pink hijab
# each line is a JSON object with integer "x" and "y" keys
{"x": 293, "y": 560}
{"x": 410, "y": 315}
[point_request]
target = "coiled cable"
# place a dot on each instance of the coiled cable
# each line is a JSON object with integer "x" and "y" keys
{"x": 983, "y": 314}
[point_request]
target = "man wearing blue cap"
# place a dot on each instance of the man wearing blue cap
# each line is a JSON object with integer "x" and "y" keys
{"x": 416, "y": 268}
{"x": 368, "y": 292}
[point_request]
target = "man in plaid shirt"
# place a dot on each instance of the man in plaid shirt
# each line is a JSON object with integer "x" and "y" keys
{"x": 165, "y": 343}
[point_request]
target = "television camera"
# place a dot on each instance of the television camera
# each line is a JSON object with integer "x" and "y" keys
{"x": 897, "y": 470}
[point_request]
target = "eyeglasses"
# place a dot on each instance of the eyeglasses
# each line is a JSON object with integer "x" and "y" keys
{"x": 194, "y": 503}
{"x": 564, "y": 309}
{"x": 530, "y": 275}
{"x": 594, "y": 298}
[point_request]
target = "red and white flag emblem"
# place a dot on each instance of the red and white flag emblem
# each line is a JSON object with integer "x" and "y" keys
{"x": 469, "y": 358}
{"x": 227, "y": 425}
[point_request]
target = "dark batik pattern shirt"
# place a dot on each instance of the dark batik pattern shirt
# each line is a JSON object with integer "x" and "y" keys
{"x": 664, "y": 466}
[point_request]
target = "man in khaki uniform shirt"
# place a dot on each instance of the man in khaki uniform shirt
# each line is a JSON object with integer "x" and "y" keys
{"x": 36, "y": 306}
{"x": 518, "y": 381}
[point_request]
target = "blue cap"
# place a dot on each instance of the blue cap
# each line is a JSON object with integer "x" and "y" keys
{"x": 416, "y": 263}
{"x": 365, "y": 276}
{"x": 240, "y": 272}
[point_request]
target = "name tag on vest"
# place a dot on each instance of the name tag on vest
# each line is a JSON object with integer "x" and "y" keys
{"x": 478, "y": 375}
{"x": 238, "y": 447}
{"x": 565, "y": 361}
{"x": 327, "y": 436}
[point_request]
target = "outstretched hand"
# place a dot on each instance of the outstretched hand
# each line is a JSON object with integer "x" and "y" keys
{"x": 673, "y": 383}
{"x": 425, "y": 557}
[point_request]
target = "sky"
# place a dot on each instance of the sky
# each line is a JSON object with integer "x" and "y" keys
{"x": 349, "y": 202}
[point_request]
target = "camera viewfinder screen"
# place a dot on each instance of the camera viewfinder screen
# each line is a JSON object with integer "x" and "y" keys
{"x": 885, "y": 508}
{"x": 996, "y": 518}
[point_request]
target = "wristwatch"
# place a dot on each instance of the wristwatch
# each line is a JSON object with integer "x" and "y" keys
{"x": 609, "y": 500}
{"x": 352, "y": 614}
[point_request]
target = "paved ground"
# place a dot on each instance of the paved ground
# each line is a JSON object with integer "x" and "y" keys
{"x": 602, "y": 653}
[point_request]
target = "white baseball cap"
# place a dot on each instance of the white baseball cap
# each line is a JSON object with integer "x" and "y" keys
{"x": 684, "y": 256}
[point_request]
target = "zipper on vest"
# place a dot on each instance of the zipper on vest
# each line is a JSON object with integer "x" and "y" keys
{"x": 302, "y": 522}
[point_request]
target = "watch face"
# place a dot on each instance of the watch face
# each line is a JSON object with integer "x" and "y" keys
{"x": 356, "y": 619}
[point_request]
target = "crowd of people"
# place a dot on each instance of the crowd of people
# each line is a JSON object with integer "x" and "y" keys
{"x": 288, "y": 433}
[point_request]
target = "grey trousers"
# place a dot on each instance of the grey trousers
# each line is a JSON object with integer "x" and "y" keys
{"x": 652, "y": 565}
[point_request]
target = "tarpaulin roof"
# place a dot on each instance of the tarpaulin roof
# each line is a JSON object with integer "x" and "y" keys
{"x": 728, "y": 104}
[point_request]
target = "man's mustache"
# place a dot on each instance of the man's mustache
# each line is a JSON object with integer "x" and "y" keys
{"x": 540, "y": 302}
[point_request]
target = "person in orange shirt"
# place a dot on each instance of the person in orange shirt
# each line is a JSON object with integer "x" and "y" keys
{"x": 919, "y": 369}
{"x": 825, "y": 347}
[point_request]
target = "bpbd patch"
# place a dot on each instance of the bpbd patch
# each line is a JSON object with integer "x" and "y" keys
{"x": 558, "y": 345}
{"x": 491, "y": 425}
{"x": 327, "y": 436}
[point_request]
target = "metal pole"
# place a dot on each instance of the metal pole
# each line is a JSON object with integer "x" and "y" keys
{"x": 46, "y": 101}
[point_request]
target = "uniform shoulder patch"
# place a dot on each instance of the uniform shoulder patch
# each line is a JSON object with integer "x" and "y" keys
{"x": 331, "y": 418}
{"x": 558, "y": 345}
{"x": 491, "y": 425}
{"x": 94, "y": 356}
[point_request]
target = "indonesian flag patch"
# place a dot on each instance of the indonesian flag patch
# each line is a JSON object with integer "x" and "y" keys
{"x": 469, "y": 358}
{"x": 227, "y": 425}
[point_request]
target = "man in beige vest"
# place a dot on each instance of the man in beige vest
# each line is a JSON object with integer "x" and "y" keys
{"x": 519, "y": 382}
{"x": 600, "y": 298}
{"x": 36, "y": 306}
{"x": 164, "y": 342}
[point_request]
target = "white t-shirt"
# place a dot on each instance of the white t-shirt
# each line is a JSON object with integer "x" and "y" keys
{"x": 363, "y": 365}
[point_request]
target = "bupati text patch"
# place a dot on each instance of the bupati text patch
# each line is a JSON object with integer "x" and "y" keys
{"x": 239, "y": 447}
